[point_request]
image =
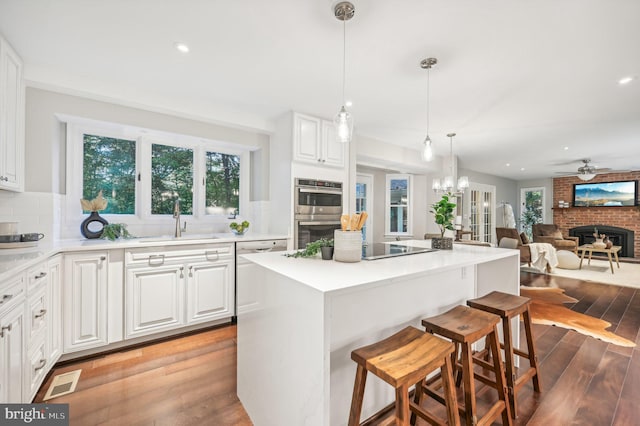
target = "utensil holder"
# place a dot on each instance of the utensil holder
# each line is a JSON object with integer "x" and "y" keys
{"x": 347, "y": 246}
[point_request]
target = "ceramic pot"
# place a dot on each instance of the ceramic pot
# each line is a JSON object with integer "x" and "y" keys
{"x": 599, "y": 243}
{"x": 442, "y": 243}
{"x": 92, "y": 226}
{"x": 327, "y": 253}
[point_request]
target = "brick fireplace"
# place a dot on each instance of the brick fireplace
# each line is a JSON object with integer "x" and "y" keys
{"x": 574, "y": 217}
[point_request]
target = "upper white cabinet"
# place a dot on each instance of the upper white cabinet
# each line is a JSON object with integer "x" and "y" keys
{"x": 12, "y": 111}
{"x": 315, "y": 141}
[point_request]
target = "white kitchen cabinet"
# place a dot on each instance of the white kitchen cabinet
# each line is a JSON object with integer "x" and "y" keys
{"x": 12, "y": 111}
{"x": 176, "y": 287}
{"x": 12, "y": 353}
{"x": 210, "y": 290}
{"x": 85, "y": 300}
{"x": 55, "y": 309}
{"x": 154, "y": 299}
{"x": 315, "y": 141}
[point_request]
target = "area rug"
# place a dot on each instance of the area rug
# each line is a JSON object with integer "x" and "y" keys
{"x": 547, "y": 309}
{"x": 628, "y": 275}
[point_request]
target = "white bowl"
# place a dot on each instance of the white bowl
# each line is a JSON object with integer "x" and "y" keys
{"x": 9, "y": 228}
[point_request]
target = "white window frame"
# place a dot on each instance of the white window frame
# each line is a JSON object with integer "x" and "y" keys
{"x": 144, "y": 138}
{"x": 387, "y": 206}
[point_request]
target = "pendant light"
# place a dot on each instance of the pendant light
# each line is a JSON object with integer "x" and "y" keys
{"x": 427, "y": 150}
{"x": 343, "y": 121}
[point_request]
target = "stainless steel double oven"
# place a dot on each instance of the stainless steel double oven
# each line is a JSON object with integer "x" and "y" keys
{"x": 317, "y": 210}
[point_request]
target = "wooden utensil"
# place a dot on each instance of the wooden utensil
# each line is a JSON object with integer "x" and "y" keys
{"x": 363, "y": 219}
{"x": 355, "y": 219}
{"x": 344, "y": 222}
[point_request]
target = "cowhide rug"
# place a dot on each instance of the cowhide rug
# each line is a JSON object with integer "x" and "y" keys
{"x": 547, "y": 309}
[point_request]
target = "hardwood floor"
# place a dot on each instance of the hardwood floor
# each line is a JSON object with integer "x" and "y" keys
{"x": 192, "y": 380}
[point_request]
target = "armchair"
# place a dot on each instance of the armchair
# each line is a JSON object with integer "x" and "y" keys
{"x": 550, "y": 233}
{"x": 525, "y": 251}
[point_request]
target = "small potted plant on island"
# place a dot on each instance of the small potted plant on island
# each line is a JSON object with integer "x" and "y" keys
{"x": 323, "y": 245}
{"x": 444, "y": 217}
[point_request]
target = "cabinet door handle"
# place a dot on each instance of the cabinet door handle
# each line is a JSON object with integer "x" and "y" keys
{"x": 5, "y": 328}
{"x": 190, "y": 271}
{"x": 6, "y": 298}
{"x": 103, "y": 258}
{"x": 182, "y": 272}
{"x": 41, "y": 365}
{"x": 156, "y": 259}
{"x": 40, "y": 314}
{"x": 40, "y": 275}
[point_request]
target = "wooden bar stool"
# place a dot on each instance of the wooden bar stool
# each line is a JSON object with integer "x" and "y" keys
{"x": 403, "y": 360}
{"x": 464, "y": 326}
{"x": 508, "y": 306}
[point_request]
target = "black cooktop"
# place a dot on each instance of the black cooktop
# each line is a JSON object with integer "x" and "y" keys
{"x": 380, "y": 251}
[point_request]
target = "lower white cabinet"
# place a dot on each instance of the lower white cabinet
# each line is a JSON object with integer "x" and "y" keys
{"x": 177, "y": 287}
{"x": 210, "y": 291}
{"x": 54, "y": 334}
{"x": 154, "y": 299}
{"x": 85, "y": 300}
{"x": 12, "y": 353}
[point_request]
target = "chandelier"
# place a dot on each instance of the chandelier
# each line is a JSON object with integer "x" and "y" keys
{"x": 446, "y": 184}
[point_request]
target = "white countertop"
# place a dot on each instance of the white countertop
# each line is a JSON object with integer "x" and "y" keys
{"x": 330, "y": 276}
{"x": 15, "y": 260}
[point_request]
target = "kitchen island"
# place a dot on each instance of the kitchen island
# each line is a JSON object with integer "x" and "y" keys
{"x": 307, "y": 315}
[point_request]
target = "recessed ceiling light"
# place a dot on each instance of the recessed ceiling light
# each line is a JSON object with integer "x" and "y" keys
{"x": 508, "y": 164}
{"x": 522, "y": 169}
{"x": 348, "y": 103}
{"x": 566, "y": 148}
{"x": 626, "y": 80}
{"x": 182, "y": 47}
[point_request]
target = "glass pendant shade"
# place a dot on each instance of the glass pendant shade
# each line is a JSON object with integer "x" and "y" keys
{"x": 435, "y": 185}
{"x": 344, "y": 125}
{"x": 427, "y": 151}
{"x": 447, "y": 183}
{"x": 463, "y": 183}
{"x": 586, "y": 176}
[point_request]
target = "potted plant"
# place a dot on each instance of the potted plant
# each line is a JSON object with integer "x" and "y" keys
{"x": 323, "y": 245}
{"x": 444, "y": 216}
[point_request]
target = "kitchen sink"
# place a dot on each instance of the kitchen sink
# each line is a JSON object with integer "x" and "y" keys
{"x": 162, "y": 238}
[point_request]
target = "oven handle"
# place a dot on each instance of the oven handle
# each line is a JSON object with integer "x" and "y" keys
{"x": 321, "y": 222}
{"x": 320, "y": 191}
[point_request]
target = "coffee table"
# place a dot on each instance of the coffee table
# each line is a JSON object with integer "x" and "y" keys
{"x": 609, "y": 251}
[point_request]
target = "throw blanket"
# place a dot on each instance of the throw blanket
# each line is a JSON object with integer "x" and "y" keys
{"x": 543, "y": 254}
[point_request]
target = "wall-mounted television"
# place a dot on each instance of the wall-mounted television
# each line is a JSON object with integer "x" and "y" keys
{"x": 605, "y": 194}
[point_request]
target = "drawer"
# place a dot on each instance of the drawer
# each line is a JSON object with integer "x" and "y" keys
{"x": 156, "y": 256}
{"x": 37, "y": 276}
{"x": 36, "y": 367}
{"x": 11, "y": 292}
{"x": 37, "y": 315}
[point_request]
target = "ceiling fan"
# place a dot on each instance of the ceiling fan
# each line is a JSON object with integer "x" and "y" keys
{"x": 587, "y": 171}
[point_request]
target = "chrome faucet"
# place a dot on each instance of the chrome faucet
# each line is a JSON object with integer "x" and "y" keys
{"x": 176, "y": 216}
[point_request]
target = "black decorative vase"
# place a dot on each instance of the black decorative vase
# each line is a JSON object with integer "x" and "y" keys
{"x": 327, "y": 253}
{"x": 93, "y": 226}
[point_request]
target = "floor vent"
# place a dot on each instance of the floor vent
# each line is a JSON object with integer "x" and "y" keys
{"x": 63, "y": 384}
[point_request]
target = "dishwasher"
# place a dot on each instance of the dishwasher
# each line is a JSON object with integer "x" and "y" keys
{"x": 248, "y": 300}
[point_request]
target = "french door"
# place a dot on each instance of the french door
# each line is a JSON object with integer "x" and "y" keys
{"x": 480, "y": 208}
{"x": 364, "y": 202}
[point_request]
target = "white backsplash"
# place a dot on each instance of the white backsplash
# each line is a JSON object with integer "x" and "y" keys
{"x": 43, "y": 212}
{"x": 35, "y": 212}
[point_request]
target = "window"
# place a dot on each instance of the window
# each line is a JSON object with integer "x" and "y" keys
{"x": 141, "y": 173}
{"x": 399, "y": 192}
{"x": 222, "y": 183}
{"x": 171, "y": 179}
{"x": 109, "y": 165}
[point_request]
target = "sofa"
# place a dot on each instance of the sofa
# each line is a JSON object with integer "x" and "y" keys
{"x": 525, "y": 251}
{"x": 551, "y": 234}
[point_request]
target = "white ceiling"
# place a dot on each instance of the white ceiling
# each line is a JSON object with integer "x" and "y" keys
{"x": 516, "y": 80}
